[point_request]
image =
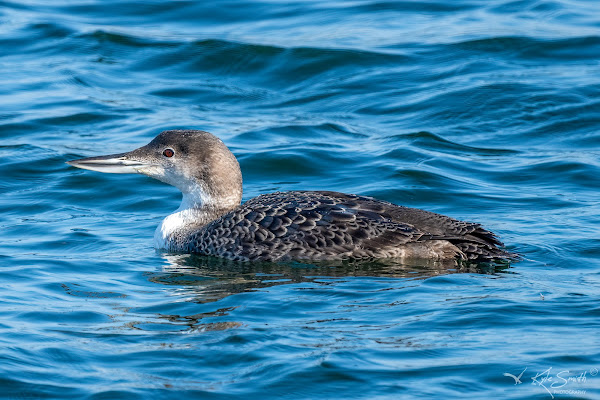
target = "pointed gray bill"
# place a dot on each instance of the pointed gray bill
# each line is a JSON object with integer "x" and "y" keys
{"x": 113, "y": 164}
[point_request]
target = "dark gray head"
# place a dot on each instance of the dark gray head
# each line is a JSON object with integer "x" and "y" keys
{"x": 196, "y": 162}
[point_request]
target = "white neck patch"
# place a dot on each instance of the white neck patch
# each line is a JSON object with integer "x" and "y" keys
{"x": 189, "y": 212}
{"x": 166, "y": 233}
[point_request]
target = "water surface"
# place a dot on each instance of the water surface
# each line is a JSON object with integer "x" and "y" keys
{"x": 486, "y": 111}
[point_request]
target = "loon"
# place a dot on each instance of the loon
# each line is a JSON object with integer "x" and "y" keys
{"x": 285, "y": 226}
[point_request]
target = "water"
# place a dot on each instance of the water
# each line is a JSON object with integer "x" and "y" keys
{"x": 485, "y": 111}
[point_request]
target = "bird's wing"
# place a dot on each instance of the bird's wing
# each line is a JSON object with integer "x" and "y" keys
{"x": 296, "y": 225}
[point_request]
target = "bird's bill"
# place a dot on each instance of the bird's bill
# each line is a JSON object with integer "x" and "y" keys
{"x": 113, "y": 164}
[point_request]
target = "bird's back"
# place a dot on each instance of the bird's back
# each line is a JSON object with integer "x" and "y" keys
{"x": 307, "y": 225}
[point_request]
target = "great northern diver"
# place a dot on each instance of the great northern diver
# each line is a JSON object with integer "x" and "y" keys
{"x": 284, "y": 226}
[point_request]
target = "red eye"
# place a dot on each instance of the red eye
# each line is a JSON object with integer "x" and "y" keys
{"x": 168, "y": 153}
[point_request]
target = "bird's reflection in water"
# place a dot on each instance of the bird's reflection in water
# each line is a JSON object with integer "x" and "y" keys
{"x": 209, "y": 279}
{"x": 202, "y": 280}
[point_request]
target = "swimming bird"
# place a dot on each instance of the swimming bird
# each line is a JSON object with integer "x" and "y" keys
{"x": 284, "y": 226}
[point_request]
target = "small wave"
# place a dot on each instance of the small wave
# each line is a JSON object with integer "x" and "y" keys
{"x": 572, "y": 49}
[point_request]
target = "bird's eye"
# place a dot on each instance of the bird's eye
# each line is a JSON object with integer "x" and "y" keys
{"x": 168, "y": 153}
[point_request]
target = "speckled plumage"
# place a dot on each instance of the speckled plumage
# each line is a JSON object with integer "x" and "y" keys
{"x": 328, "y": 226}
{"x": 287, "y": 225}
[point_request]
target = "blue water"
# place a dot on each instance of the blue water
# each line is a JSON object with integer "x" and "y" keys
{"x": 486, "y": 111}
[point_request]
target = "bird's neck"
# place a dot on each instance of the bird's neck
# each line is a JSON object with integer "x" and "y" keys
{"x": 196, "y": 210}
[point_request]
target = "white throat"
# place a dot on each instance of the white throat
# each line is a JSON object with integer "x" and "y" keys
{"x": 196, "y": 209}
{"x": 191, "y": 211}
